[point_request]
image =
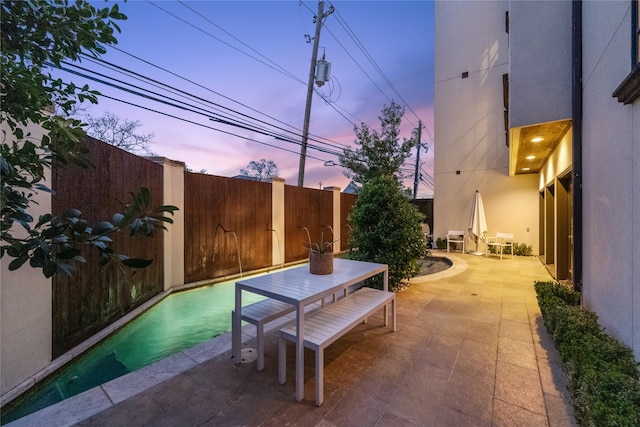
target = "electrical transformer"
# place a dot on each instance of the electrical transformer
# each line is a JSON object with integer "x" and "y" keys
{"x": 323, "y": 72}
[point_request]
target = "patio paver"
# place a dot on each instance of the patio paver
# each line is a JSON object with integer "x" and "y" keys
{"x": 470, "y": 350}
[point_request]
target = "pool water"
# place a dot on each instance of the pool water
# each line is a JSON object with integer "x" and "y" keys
{"x": 180, "y": 321}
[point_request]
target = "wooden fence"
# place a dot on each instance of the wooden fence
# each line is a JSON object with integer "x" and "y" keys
{"x": 225, "y": 218}
{"x": 96, "y": 296}
{"x": 228, "y": 225}
{"x": 306, "y": 209}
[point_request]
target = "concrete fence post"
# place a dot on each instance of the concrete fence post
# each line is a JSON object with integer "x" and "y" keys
{"x": 337, "y": 221}
{"x": 173, "y": 194}
{"x": 277, "y": 220}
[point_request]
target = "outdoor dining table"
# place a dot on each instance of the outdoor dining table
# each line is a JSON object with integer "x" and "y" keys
{"x": 298, "y": 287}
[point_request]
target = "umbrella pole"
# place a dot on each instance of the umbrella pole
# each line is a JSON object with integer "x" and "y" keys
{"x": 477, "y": 252}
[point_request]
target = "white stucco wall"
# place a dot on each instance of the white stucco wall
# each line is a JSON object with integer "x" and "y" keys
{"x": 25, "y": 309}
{"x": 611, "y": 174}
{"x": 469, "y": 125}
{"x": 559, "y": 161}
{"x": 539, "y": 61}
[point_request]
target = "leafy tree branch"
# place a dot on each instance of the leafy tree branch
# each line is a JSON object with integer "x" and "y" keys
{"x": 34, "y": 35}
{"x": 379, "y": 153}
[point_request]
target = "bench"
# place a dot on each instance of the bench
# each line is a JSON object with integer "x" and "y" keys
{"x": 325, "y": 326}
{"x": 260, "y": 313}
{"x": 265, "y": 311}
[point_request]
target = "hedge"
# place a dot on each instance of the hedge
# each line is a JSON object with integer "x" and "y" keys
{"x": 602, "y": 373}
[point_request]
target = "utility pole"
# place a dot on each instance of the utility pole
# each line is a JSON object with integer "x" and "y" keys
{"x": 416, "y": 178}
{"x": 312, "y": 73}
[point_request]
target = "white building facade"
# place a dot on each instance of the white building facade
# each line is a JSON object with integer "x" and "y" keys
{"x": 537, "y": 107}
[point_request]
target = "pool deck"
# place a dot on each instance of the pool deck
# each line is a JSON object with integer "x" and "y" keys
{"x": 470, "y": 350}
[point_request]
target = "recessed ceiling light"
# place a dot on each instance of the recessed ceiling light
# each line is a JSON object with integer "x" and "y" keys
{"x": 526, "y": 169}
{"x": 531, "y": 157}
{"x": 537, "y": 139}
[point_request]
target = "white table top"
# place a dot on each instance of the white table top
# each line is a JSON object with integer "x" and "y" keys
{"x": 298, "y": 285}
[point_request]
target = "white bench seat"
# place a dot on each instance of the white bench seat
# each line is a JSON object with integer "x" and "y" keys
{"x": 325, "y": 326}
{"x": 260, "y": 313}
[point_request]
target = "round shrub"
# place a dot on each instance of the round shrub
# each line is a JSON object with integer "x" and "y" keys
{"x": 386, "y": 230}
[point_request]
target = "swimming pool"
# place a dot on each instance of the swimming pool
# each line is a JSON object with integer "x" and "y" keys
{"x": 178, "y": 322}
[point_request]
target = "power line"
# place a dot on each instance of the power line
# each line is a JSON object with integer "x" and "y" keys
{"x": 283, "y": 70}
{"x": 204, "y": 126}
{"x": 276, "y": 68}
{"x": 188, "y": 107}
{"x": 316, "y": 137}
{"x": 368, "y": 56}
{"x": 185, "y": 94}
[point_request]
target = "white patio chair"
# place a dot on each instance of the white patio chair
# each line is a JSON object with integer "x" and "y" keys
{"x": 455, "y": 236}
{"x": 500, "y": 241}
{"x": 427, "y": 233}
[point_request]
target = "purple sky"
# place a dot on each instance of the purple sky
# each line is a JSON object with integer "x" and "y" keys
{"x": 242, "y": 55}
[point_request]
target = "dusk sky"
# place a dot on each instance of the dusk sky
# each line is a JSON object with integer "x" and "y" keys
{"x": 252, "y": 57}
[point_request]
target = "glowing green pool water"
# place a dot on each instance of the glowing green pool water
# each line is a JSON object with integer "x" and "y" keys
{"x": 180, "y": 321}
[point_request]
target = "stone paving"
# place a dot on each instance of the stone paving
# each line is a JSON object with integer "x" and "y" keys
{"x": 470, "y": 350}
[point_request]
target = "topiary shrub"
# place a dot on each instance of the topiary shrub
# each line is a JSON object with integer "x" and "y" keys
{"x": 522, "y": 249}
{"x": 602, "y": 372}
{"x": 386, "y": 229}
{"x": 519, "y": 249}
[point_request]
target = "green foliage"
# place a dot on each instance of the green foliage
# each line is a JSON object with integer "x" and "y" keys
{"x": 379, "y": 153}
{"x": 323, "y": 246}
{"x": 54, "y": 243}
{"x": 441, "y": 243}
{"x": 602, "y": 373}
{"x": 36, "y": 35}
{"x": 519, "y": 249}
{"x": 522, "y": 249}
{"x": 387, "y": 229}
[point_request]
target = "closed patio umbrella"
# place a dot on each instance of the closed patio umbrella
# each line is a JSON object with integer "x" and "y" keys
{"x": 477, "y": 221}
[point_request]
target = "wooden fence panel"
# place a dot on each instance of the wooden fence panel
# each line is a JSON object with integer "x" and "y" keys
{"x": 306, "y": 207}
{"x": 96, "y": 296}
{"x": 347, "y": 201}
{"x": 214, "y": 204}
{"x": 217, "y": 211}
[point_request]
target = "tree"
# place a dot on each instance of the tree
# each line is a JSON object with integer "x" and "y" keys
{"x": 261, "y": 169}
{"x": 379, "y": 153}
{"x": 386, "y": 229}
{"x": 35, "y": 35}
{"x": 120, "y": 133}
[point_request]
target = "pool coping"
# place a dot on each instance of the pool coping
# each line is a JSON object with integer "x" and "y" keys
{"x": 79, "y": 350}
{"x": 90, "y": 402}
{"x": 458, "y": 265}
